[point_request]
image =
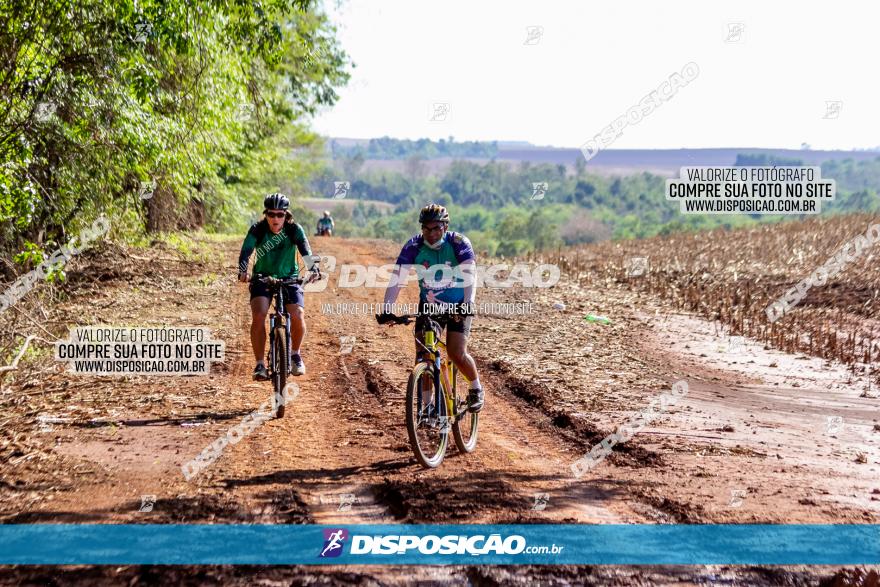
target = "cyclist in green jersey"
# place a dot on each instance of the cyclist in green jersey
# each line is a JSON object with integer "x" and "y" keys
{"x": 276, "y": 238}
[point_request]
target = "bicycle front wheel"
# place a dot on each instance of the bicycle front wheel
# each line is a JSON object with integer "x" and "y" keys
{"x": 426, "y": 421}
{"x": 464, "y": 430}
{"x": 279, "y": 374}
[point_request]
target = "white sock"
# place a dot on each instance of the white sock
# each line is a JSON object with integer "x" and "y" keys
{"x": 475, "y": 384}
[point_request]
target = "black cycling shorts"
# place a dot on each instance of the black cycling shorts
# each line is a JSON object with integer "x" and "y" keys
{"x": 453, "y": 323}
{"x": 293, "y": 294}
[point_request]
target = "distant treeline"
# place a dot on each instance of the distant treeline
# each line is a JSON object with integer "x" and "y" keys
{"x": 850, "y": 175}
{"x": 507, "y": 215}
{"x": 388, "y": 148}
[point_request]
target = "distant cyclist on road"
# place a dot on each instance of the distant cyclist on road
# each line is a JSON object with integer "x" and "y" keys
{"x": 325, "y": 224}
{"x": 276, "y": 239}
{"x": 435, "y": 246}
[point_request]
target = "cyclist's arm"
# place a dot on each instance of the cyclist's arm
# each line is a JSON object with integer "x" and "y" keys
{"x": 302, "y": 244}
{"x": 247, "y": 249}
{"x": 467, "y": 261}
{"x": 469, "y": 272}
{"x": 402, "y": 266}
{"x": 398, "y": 281}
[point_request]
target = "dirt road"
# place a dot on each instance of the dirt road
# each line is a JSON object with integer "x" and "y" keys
{"x": 110, "y": 450}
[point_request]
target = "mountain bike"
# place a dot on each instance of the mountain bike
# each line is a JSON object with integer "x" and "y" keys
{"x": 432, "y": 403}
{"x": 278, "y": 360}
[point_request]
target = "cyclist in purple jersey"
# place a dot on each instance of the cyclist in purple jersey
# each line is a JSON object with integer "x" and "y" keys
{"x": 431, "y": 253}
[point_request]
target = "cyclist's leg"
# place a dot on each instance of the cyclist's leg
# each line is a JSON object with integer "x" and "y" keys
{"x": 456, "y": 348}
{"x": 296, "y": 309}
{"x": 297, "y": 326}
{"x": 259, "y": 310}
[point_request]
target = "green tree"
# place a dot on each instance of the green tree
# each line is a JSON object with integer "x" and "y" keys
{"x": 192, "y": 96}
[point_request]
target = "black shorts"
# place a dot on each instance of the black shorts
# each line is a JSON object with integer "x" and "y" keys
{"x": 293, "y": 294}
{"x": 454, "y": 323}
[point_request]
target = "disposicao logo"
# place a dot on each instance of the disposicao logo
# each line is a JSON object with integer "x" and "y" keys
{"x": 472, "y": 545}
{"x": 333, "y": 541}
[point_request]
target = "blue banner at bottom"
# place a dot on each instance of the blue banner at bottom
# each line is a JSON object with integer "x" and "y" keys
{"x": 467, "y": 544}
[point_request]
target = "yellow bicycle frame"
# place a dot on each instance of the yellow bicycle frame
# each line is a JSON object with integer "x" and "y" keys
{"x": 446, "y": 370}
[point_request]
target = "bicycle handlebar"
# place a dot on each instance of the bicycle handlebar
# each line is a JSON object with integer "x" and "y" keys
{"x": 274, "y": 281}
{"x": 395, "y": 319}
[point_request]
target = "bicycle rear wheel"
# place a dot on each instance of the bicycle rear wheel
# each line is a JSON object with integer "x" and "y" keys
{"x": 279, "y": 373}
{"x": 464, "y": 430}
{"x": 426, "y": 423}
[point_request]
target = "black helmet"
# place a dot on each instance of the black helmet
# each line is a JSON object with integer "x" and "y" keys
{"x": 433, "y": 213}
{"x": 276, "y": 201}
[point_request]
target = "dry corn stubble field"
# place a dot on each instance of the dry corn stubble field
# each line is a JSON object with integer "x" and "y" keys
{"x": 732, "y": 276}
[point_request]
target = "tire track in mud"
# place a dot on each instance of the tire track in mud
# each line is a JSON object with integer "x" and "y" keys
{"x": 583, "y": 434}
{"x": 513, "y": 462}
{"x": 222, "y": 494}
{"x": 497, "y": 483}
{"x": 520, "y": 471}
{"x": 345, "y": 435}
{"x": 321, "y": 448}
{"x": 341, "y": 454}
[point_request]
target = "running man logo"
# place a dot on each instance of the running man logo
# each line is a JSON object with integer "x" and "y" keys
{"x": 439, "y": 112}
{"x": 44, "y": 111}
{"x": 147, "y": 503}
{"x": 734, "y": 32}
{"x": 832, "y": 109}
{"x": 833, "y": 424}
{"x": 333, "y": 540}
{"x": 345, "y": 501}
{"x": 539, "y": 189}
{"x": 340, "y": 189}
{"x": 736, "y": 498}
{"x": 346, "y": 345}
{"x": 735, "y": 343}
{"x": 541, "y": 501}
{"x": 637, "y": 266}
{"x": 146, "y": 189}
{"x": 534, "y": 34}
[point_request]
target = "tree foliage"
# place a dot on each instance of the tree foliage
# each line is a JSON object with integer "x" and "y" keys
{"x": 188, "y": 97}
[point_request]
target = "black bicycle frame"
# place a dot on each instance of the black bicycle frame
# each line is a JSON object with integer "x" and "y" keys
{"x": 279, "y": 311}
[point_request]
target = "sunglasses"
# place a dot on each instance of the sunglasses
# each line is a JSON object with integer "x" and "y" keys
{"x": 434, "y": 228}
{"x": 276, "y": 214}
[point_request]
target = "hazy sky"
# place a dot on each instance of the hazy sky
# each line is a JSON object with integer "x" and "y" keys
{"x": 591, "y": 61}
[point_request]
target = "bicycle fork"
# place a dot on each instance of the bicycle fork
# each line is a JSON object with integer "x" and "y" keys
{"x": 282, "y": 311}
{"x": 272, "y": 343}
{"x": 273, "y": 321}
{"x": 439, "y": 376}
{"x": 445, "y": 368}
{"x": 289, "y": 350}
